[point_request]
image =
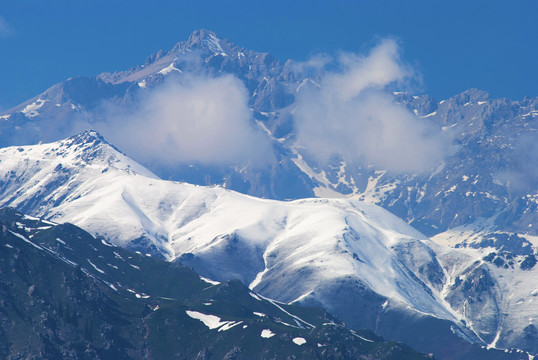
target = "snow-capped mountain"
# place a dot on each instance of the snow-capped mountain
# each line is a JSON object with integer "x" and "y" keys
{"x": 487, "y": 179}
{"x": 343, "y": 254}
{"x": 481, "y": 199}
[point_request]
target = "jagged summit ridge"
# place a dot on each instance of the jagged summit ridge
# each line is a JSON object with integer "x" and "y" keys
{"x": 205, "y": 39}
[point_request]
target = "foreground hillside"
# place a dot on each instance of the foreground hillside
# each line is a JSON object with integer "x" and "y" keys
{"x": 66, "y": 294}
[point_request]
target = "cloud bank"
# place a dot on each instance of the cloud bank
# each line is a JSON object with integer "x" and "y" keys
{"x": 352, "y": 115}
{"x": 201, "y": 119}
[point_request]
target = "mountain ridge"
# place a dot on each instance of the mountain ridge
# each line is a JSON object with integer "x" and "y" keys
{"x": 289, "y": 245}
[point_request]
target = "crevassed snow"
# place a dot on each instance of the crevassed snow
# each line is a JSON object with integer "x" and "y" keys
{"x": 266, "y": 333}
{"x": 299, "y": 341}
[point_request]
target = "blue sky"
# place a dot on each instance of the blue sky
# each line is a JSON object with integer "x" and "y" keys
{"x": 455, "y": 45}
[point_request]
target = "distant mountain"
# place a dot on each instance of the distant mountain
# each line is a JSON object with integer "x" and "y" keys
{"x": 486, "y": 185}
{"x": 66, "y": 294}
{"x": 344, "y": 255}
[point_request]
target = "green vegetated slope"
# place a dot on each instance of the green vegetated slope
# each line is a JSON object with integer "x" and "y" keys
{"x": 66, "y": 294}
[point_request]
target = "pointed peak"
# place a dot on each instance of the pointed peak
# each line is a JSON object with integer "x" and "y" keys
{"x": 206, "y": 40}
{"x": 91, "y": 138}
{"x": 202, "y": 34}
{"x": 88, "y": 136}
{"x": 92, "y": 148}
{"x": 475, "y": 94}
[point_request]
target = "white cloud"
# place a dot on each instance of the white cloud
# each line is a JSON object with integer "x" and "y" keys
{"x": 352, "y": 115}
{"x": 313, "y": 65}
{"x": 202, "y": 120}
{"x": 519, "y": 177}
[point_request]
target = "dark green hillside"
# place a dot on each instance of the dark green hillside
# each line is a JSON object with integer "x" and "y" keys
{"x": 67, "y": 295}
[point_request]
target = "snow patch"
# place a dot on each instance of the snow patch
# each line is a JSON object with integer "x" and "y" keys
{"x": 28, "y": 217}
{"x": 295, "y": 317}
{"x": 95, "y": 267}
{"x": 212, "y": 321}
{"x": 209, "y": 281}
{"x": 214, "y": 45}
{"x": 26, "y": 240}
{"x": 106, "y": 243}
{"x": 31, "y": 110}
{"x": 168, "y": 69}
{"x": 112, "y": 287}
{"x": 430, "y": 114}
{"x": 266, "y": 333}
{"x": 255, "y": 296}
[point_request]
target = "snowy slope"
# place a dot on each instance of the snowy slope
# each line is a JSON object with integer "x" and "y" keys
{"x": 496, "y": 290}
{"x": 343, "y": 254}
{"x": 85, "y": 181}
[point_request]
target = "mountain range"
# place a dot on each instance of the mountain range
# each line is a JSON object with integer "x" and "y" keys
{"x": 447, "y": 266}
{"x": 67, "y": 294}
